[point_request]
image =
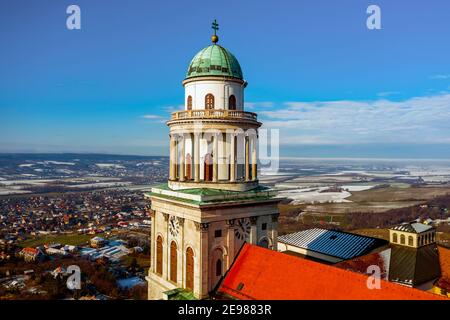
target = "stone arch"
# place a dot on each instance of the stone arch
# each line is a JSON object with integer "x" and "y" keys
{"x": 219, "y": 253}
{"x": 232, "y": 102}
{"x": 395, "y": 237}
{"x": 265, "y": 242}
{"x": 410, "y": 241}
{"x": 190, "y": 268}
{"x": 159, "y": 254}
{"x": 188, "y": 166}
{"x": 209, "y": 101}
{"x": 189, "y": 103}
{"x": 173, "y": 261}
{"x": 208, "y": 167}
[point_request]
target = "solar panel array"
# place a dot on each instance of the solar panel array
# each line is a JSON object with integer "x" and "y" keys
{"x": 334, "y": 243}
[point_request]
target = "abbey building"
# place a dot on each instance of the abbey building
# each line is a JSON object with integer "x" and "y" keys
{"x": 212, "y": 203}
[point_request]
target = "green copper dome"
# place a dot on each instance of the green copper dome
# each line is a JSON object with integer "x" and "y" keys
{"x": 214, "y": 61}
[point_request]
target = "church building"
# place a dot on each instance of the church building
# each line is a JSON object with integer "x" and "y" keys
{"x": 212, "y": 203}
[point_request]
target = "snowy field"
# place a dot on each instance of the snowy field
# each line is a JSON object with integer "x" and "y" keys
{"x": 109, "y": 165}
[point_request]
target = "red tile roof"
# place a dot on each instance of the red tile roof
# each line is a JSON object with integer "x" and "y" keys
{"x": 263, "y": 274}
{"x": 29, "y": 250}
{"x": 444, "y": 258}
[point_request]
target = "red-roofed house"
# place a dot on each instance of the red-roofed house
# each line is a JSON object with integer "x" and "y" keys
{"x": 31, "y": 254}
{"x": 261, "y": 274}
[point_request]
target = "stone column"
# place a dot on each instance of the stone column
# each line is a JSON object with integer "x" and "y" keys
{"x": 181, "y": 256}
{"x": 275, "y": 231}
{"x": 153, "y": 243}
{"x": 172, "y": 158}
{"x": 230, "y": 242}
{"x": 166, "y": 248}
{"x": 215, "y": 157}
{"x": 254, "y": 158}
{"x": 247, "y": 158}
{"x": 196, "y": 157}
{"x": 182, "y": 157}
{"x": 233, "y": 158}
{"x": 253, "y": 230}
{"x": 202, "y": 267}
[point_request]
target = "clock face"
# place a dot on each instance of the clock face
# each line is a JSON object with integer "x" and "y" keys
{"x": 173, "y": 226}
{"x": 242, "y": 230}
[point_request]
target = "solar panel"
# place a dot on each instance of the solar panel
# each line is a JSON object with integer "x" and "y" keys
{"x": 330, "y": 242}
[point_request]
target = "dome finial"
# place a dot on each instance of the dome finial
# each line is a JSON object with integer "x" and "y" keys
{"x": 215, "y": 27}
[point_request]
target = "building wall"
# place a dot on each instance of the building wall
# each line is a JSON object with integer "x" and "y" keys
{"x": 198, "y": 231}
{"x": 428, "y": 237}
{"x": 220, "y": 89}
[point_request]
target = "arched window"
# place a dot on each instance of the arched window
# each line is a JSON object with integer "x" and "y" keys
{"x": 219, "y": 268}
{"x": 173, "y": 261}
{"x": 188, "y": 167}
{"x": 264, "y": 243}
{"x": 208, "y": 167}
{"x": 232, "y": 102}
{"x": 402, "y": 239}
{"x": 189, "y": 103}
{"x": 209, "y": 101}
{"x": 410, "y": 241}
{"x": 395, "y": 238}
{"x": 159, "y": 255}
{"x": 189, "y": 269}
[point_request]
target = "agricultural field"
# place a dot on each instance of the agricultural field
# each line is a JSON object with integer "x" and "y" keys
{"x": 74, "y": 239}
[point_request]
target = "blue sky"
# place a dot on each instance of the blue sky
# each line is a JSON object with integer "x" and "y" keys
{"x": 332, "y": 87}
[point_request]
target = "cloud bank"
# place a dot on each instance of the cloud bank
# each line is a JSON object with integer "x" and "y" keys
{"x": 418, "y": 120}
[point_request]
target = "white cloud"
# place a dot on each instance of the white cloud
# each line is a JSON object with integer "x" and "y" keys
{"x": 415, "y": 120}
{"x": 440, "y": 76}
{"x": 387, "y": 93}
{"x": 151, "y": 116}
{"x": 256, "y": 105}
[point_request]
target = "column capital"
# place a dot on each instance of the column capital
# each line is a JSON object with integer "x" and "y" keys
{"x": 201, "y": 226}
{"x": 166, "y": 216}
{"x": 253, "y": 220}
{"x": 230, "y": 223}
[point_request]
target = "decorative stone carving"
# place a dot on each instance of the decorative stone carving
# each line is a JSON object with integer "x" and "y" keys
{"x": 231, "y": 223}
{"x": 166, "y": 216}
{"x": 253, "y": 220}
{"x": 181, "y": 221}
{"x": 201, "y": 226}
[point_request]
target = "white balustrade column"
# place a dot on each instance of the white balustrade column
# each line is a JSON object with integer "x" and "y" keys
{"x": 254, "y": 158}
{"x": 172, "y": 158}
{"x": 247, "y": 158}
{"x": 197, "y": 156}
{"x": 182, "y": 157}
{"x": 233, "y": 158}
{"x": 215, "y": 157}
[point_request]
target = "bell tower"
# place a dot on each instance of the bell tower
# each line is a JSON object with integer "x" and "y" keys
{"x": 212, "y": 202}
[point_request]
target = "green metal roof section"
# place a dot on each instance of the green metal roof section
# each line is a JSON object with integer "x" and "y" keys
{"x": 214, "y": 60}
{"x": 207, "y": 196}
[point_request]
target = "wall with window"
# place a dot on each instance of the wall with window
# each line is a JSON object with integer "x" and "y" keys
{"x": 413, "y": 240}
{"x": 221, "y": 90}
